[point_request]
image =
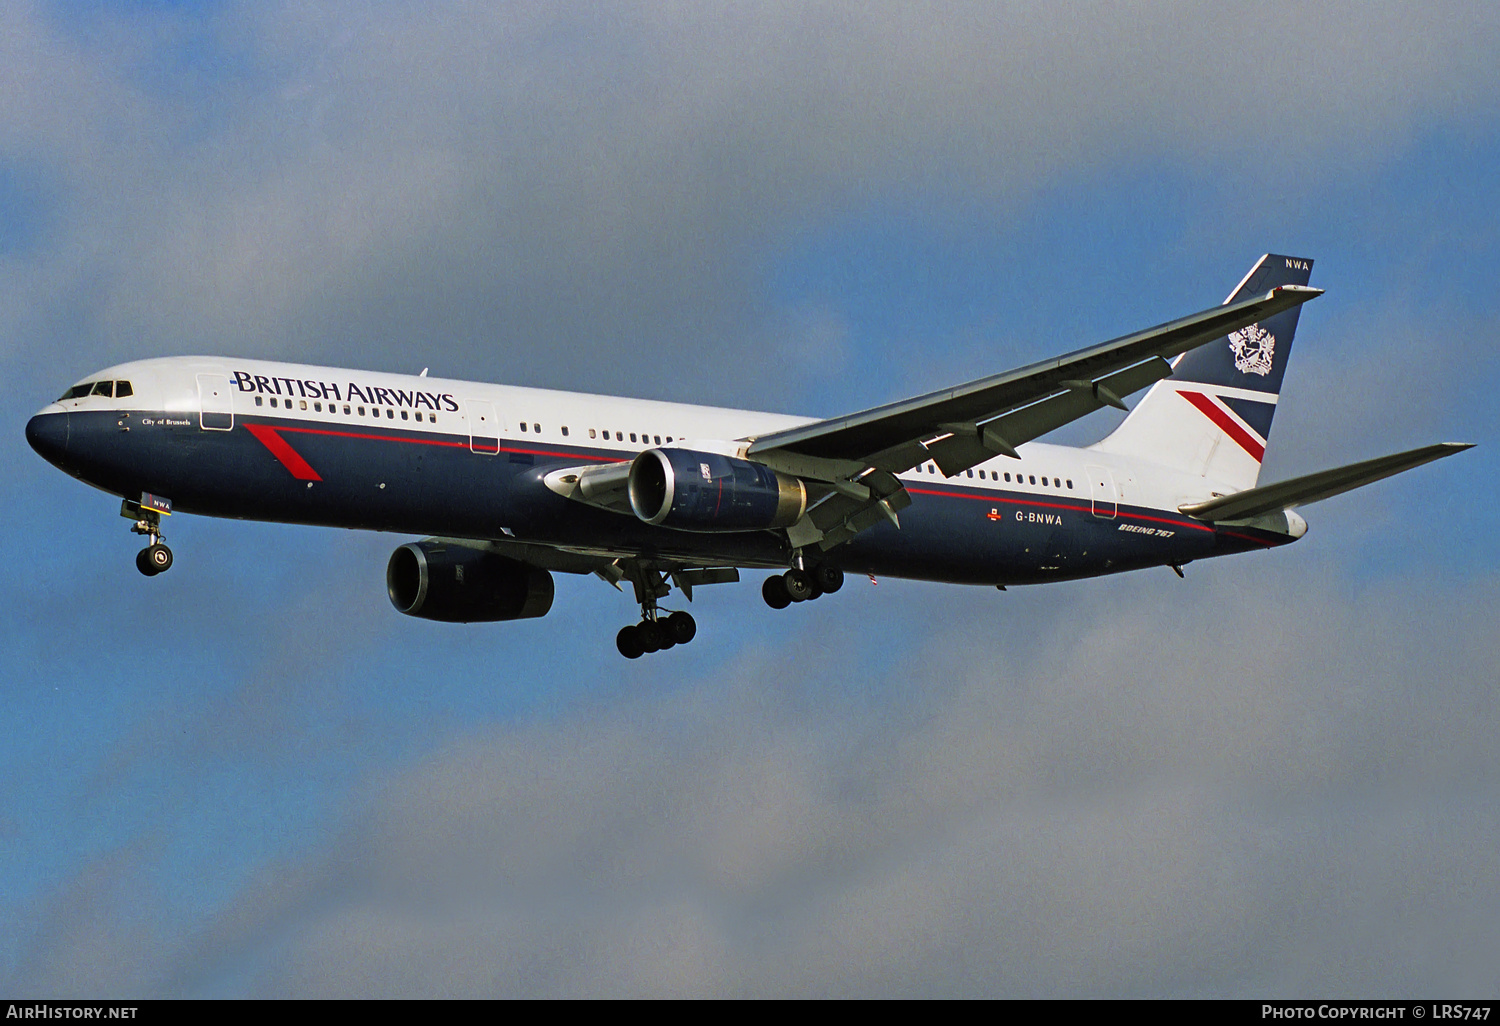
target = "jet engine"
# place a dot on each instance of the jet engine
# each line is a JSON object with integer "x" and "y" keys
{"x": 457, "y": 584}
{"x": 703, "y": 491}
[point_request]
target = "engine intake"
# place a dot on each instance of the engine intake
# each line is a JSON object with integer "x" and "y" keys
{"x": 456, "y": 584}
{"x": 703, "y": 491}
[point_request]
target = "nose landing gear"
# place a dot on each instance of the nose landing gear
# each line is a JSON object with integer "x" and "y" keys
{"x": 155, "y": 558}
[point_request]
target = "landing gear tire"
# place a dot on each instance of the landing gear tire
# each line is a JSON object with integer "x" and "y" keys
{"x": 775, "y": 593}
{"x": 650, "y": 636}
{"x": 154, "y": 559}
{"x": 680, "y": 628}
{"x": 628, "y": 641}
{"x": 798, "y": 586}
{"x": 829, "y": 579}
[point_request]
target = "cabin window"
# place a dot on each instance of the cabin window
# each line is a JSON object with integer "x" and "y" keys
{"x": 302, "y": 404}
{"x": 390, "y": 414}
{"x": 536, "y": 429}
{"x": 669, "y": 439}
{"x": 523, "y": 427}
{"x": 317, "y": 407}
{"x": 1056, "y": 482}
{"x": 122, "y": 389}
{"x": 1070, "y": 484}
{"x": 565, "y": 431}
{"x": 1007, "y": 477}
{"x": 346, "y": 410}
{"x": 591, "y": 432}
{"x": 273, "y": 402}
{"x": 1033, "y": 479}
{"x": 658, "y": 439}
{"x": 258, "y": 400}
{"x": 361, "y": 411}
{"x": 632, "y": 436}
{"x": 403, "y": 414}
{"x": 969, "y": 472}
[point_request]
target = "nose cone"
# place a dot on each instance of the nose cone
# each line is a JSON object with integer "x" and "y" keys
{"x": 48, "y": 434}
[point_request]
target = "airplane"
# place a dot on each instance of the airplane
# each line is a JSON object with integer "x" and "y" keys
{"x": 510, "y": 485}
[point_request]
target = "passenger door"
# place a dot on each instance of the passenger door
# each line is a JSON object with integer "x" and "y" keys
{"x": 1102, "y": 489}
{"x": 215, "y": 407}
{"x": 484, "y": 428}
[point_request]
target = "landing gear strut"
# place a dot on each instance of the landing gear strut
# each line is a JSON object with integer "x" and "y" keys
{"x": 155, "y": 558}
{"x": 657, "y": 631}
{"x": 797, "y": 585}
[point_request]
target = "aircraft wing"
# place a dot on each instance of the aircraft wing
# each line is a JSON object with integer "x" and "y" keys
{"x": 1299, "y": 491}
{"x": 858, "y": 456}
{"x": 898, "y": 436}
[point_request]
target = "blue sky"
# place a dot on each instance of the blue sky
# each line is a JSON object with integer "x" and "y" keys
{"x": 252, "y": 777}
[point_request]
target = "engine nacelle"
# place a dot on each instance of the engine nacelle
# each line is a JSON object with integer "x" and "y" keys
{"x": 703, "y": 491}
{"x": 456, "y": 584}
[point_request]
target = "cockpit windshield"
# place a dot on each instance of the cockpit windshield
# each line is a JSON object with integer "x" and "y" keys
{"x": 107, "y": 389}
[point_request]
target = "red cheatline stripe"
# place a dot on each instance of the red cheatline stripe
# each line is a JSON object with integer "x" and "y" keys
{"x": 981, "y": 497}
{"x": 1226, "y": 424}
{"x": 268, "y": 437}
{"x": 442, "y": 443}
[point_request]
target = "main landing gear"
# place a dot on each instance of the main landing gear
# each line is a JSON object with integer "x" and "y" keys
{"x": 155, "y": 558}
{"x": 781, "y": 590}
{"x": 656, "y": 632}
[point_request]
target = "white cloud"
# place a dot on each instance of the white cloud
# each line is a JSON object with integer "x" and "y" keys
{"x": 559, "y": 190}
{"x": 1235, "y": 787}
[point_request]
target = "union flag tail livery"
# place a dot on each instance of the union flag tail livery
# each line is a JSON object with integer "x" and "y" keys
{"x": 1212, "y": 417}
{"x": 512, "y": 485}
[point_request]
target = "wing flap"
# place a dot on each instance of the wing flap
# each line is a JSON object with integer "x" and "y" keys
{"x": 972, "y": 444}
{"x": 1299, "y": 491}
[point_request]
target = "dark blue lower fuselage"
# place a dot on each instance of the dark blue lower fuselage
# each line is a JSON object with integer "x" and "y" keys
{"x": 371, "y": 477}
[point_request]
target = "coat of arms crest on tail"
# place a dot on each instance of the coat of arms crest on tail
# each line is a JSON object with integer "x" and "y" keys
{"x": 1254, "y": 347}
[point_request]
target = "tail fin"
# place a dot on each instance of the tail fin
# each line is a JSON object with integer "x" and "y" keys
{"x": 1213, "y": 415}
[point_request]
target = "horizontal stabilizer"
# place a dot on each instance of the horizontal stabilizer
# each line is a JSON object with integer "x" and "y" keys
{"x": 1299, "y": 491}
